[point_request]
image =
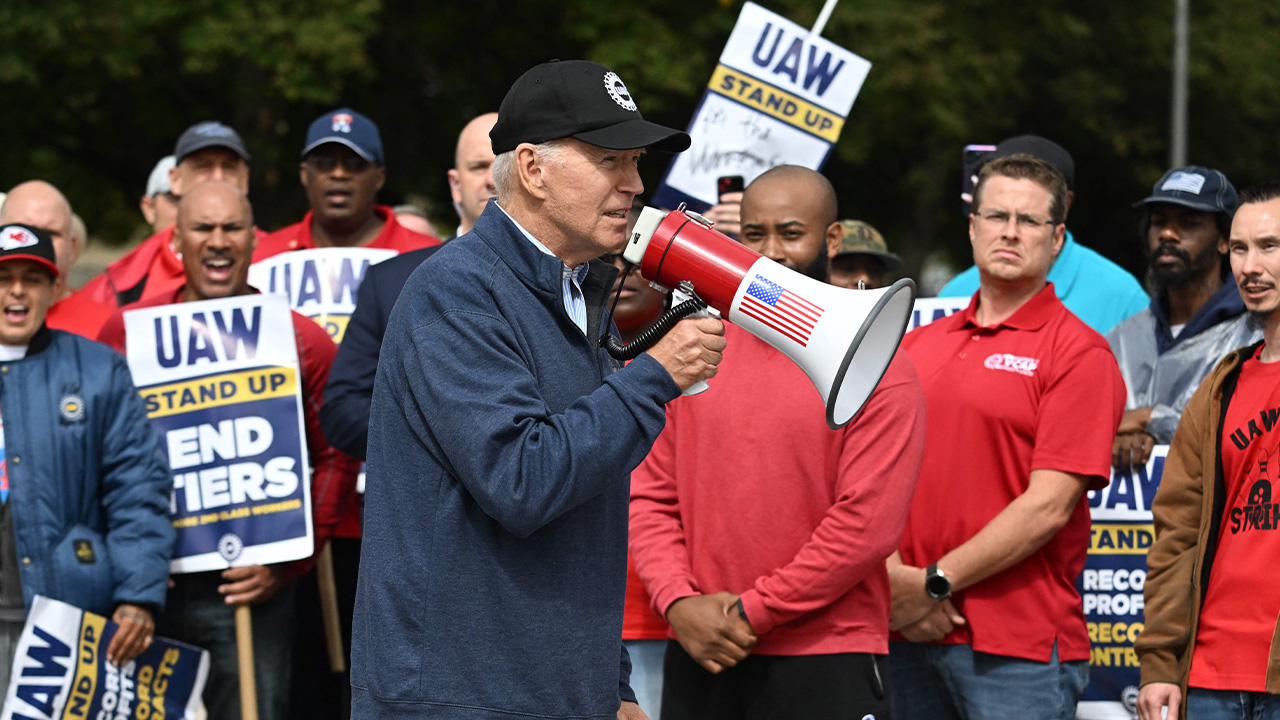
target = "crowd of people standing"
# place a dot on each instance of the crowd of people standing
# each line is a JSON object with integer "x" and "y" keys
{"x": 550, "y": 532}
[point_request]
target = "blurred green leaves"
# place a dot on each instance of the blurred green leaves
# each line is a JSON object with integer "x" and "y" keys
{"x": 97, "y": 91}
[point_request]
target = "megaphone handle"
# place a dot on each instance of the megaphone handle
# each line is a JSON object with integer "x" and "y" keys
{"x": 678, "y": 297}
{"x": 696, "y": 388}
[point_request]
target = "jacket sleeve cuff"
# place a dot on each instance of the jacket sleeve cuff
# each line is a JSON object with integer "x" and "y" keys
{"x": 667, "y": 389}
{"x": 762, "y": 621}
{"x": 625, "y": 692}
{"x": 1156, "y": 668}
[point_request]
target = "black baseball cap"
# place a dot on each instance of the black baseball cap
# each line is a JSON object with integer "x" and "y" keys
{"x": 1038, "y": 147}
{"x": 577, "y": 99}
{"x": 209, "y": 133}
{"x": 1195, "y": 187}
{"x": 27, "y": 242}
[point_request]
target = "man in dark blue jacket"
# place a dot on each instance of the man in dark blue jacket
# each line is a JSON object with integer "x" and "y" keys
{"x": 344, "y": 416}
{"x": 502, "y": 436}
{"x": 84, "y": 486}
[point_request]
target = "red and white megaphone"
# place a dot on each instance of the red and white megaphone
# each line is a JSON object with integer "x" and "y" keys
{"x": 842, "y": 339}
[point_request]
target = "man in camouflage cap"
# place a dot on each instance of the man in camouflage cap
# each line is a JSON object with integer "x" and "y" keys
{"x": 863, "y": 257}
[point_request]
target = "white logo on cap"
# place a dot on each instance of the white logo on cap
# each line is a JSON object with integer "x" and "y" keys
{"x": 618, "y": 91}
{"x": 14, "y": 237}
{"x": 1184, "y": 181}
{"x": 213, "y": 129}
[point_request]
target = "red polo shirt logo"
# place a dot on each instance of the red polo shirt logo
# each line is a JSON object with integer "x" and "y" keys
{"x": 1012, "y": 363}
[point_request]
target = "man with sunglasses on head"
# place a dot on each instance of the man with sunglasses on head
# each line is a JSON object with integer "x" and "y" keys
{"x": 342, "y": 171}
{"x": 1023, "y": 400}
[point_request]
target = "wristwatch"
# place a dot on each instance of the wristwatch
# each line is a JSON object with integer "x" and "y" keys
{"x": 936, "y": 583}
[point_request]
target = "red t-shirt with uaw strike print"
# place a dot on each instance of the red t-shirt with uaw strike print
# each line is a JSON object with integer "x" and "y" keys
{"x": 1038, "y": 391}
{"x": 1238, "y": 618}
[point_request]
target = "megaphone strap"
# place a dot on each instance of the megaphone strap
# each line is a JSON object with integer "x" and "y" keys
{"x": 657, "y": 273}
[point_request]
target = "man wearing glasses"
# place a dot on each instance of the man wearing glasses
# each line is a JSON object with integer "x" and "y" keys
{"x": 342, "y": 171}
{"x": 1023, "y": 401}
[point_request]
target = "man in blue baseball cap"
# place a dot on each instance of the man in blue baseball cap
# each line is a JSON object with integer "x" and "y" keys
{"x": 1195, "y": 317}
{"x": 342, "y": 171}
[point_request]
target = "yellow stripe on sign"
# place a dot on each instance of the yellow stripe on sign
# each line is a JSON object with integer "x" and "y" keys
{"x": 335, "y": 325}
{"x": 1121, "y": 538}
{"x": 87, "y": 662}
{"x": 219, "y": 390}
{"x": 776, "y": 103}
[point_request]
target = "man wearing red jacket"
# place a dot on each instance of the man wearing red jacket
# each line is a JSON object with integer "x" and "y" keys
{"x": 205, "y": 151}
{"x": 215, "y": 240}
{"x": 342, "y": 171}
{"x": 760, "y": 532}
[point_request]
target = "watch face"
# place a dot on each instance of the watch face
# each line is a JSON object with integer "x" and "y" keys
{"x": 938, "y": 586}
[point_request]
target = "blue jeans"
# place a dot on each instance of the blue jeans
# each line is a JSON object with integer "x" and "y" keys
{"x": 195, "y": 613}
{"x": 646, "y": 673}
{"x": 1231, "y": 705}
{"x": 952, "y": 682}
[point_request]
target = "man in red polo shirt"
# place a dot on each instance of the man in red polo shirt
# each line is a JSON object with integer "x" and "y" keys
{"x": 215, "y": 239}
{"x": 342, "y": 171}
{"x": 1023, "y": 403}
{"x": 760, "y": 532}
{"x": 205, "y": 151}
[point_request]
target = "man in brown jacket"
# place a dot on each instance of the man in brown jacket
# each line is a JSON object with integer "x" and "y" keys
{"x": 1211, "y": 602}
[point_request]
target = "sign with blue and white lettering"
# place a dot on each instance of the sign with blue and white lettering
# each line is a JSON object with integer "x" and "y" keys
{"x": 778, "y": 96}
{"x": 1111, "y": 586}
{"x": 220, "y": 382}
{"x": 60, "y": 672}
{"x": 320, "y": 283}
{"x": 927, "y": 310}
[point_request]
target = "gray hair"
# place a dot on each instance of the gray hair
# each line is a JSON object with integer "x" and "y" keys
{"x": 505, "y": 179}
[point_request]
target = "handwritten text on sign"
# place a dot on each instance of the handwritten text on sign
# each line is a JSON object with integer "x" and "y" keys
{"x": 778, "y": 96}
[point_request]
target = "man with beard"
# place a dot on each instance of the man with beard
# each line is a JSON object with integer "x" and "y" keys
{"x": 1207, "y": 648}
{"x": 1195, "y": 317}
{"x": 762, "y": 534}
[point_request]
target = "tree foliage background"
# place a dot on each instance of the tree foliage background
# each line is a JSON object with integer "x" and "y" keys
{"x": 96, "y": 91}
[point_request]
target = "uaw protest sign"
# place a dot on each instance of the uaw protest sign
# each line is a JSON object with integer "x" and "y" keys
{"x": 320, "y": 283}
{"x": 220, "y": 382}
{"x": 779, "y": 95}
{"x": 60, "y": 672}
{"x": 1112, "y": 584}
{"x": 1115, "y": 572}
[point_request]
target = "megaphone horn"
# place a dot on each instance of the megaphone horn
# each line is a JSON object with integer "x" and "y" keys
{"x": 842, "y": 339}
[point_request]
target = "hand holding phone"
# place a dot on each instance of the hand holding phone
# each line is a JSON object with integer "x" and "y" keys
{"x": 727, "y": 213}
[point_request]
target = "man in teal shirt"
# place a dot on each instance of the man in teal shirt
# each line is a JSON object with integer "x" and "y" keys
{"x": 1098, "y": 291}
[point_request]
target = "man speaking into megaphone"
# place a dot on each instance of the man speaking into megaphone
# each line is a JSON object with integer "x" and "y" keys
{"x": 502, "y": 435}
